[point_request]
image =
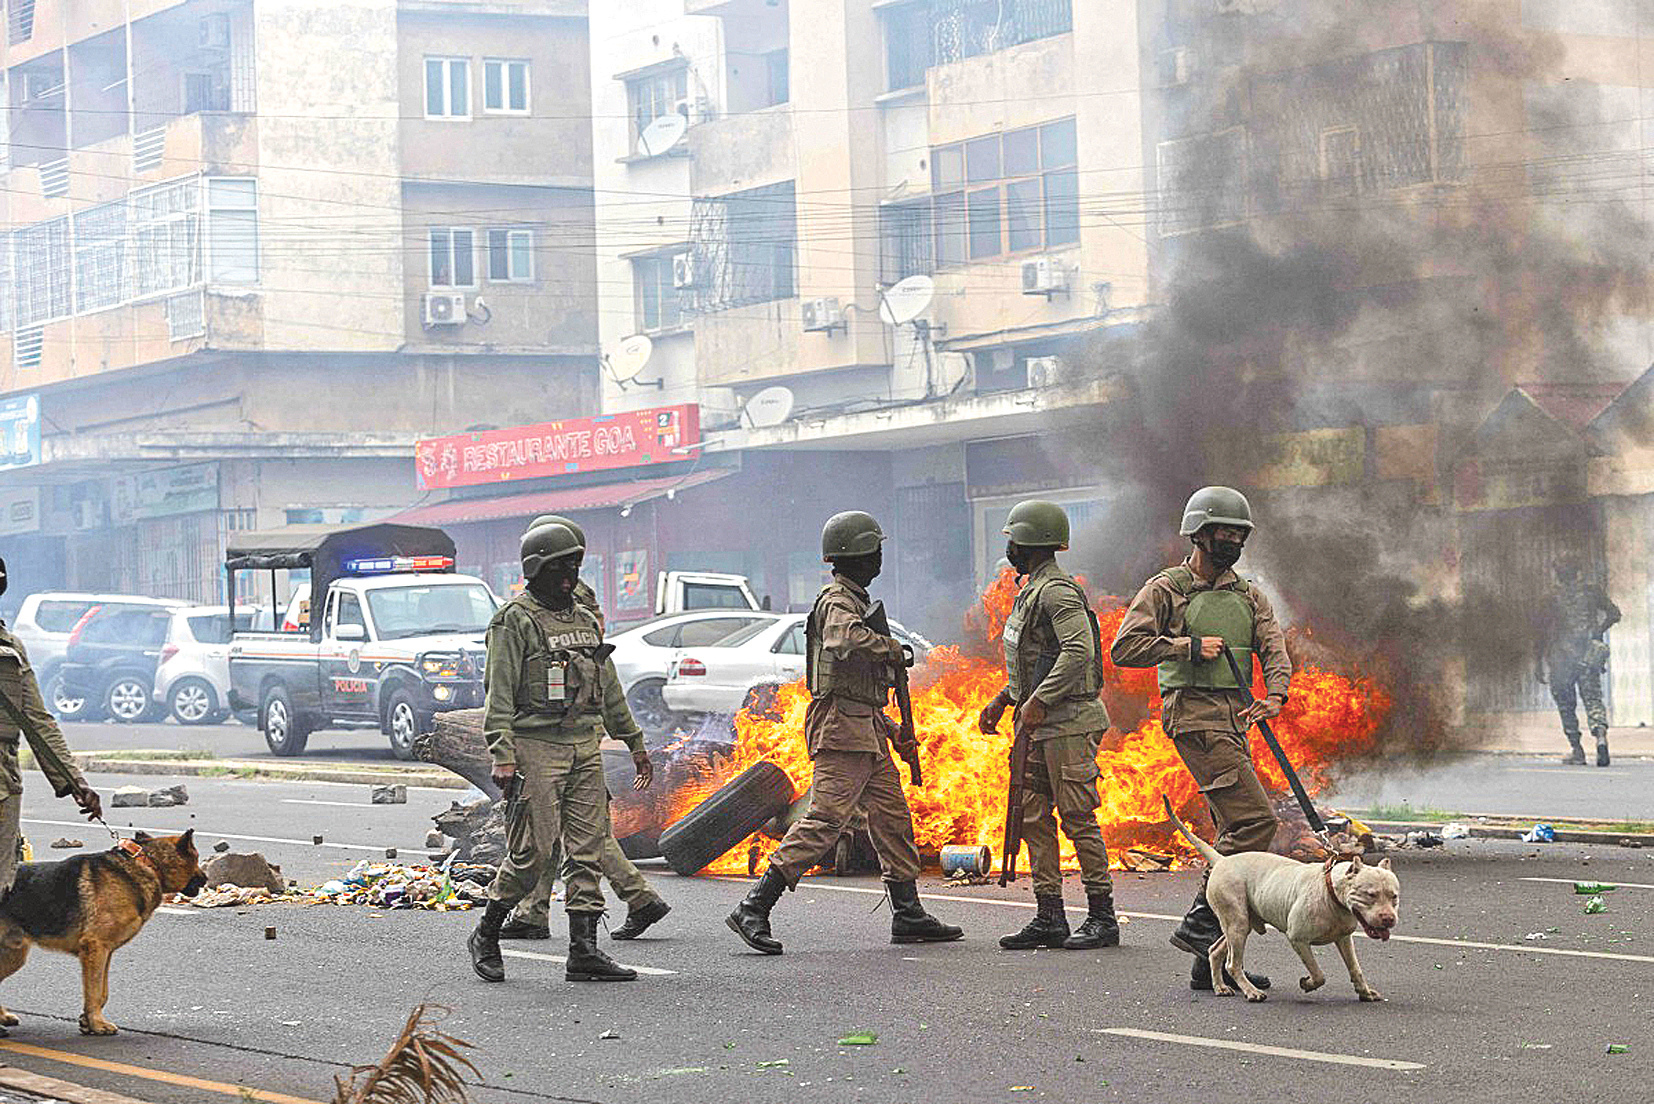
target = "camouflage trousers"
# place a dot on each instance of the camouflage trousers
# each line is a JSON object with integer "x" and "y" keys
{"x": 1587, "y": 680}
{"x": 1061, "y": 781}
{"x": 567, "y": 807}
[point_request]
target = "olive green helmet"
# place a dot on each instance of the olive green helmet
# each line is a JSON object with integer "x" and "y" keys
{"x": 1035, "y": 523}
{"x": 852, "y": 533}
{"x": 559, "y": 519}
{"x": 545, "y": 543}
{"x": 1215, "y": 506}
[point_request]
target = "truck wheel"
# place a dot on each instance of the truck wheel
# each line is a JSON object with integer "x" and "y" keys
{"x": 734, "y": 812}
{"x": 401, "y": 723}
{"x": 284, "y": 732}
{"x": 192, "y": 701}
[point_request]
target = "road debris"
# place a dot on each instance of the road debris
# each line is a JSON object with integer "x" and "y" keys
{"x": 1421, "y": 839}
{"x": 129, "y": 797}
{"x": 778, "y": 1063}
{"x": 1595, "y": 905}
{"x": 270, "y": 932}
{"x": 63, "y": 843}
{"x": 1579, "y": 887}
{"x": 860, "y": 1038}
{"x": 610, "y": 1034}
{"x": 435, "y": 840}
{"x": 317, "y": 840}
{"x": 168, "y": 797}
{"x": 1455, "y": 830}
{"x": 1617, "y": 1048}
{"x": 248, "y": 871}
{"x": 395, "y": 794}
{"x": 1540, "y": 833}
{"x": 221, "y": 846}
{"x": 1145, "y": 861}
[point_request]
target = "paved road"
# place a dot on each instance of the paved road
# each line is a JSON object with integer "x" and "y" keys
{"x": 203, "y": 995}
{"x": 231, "y": 740}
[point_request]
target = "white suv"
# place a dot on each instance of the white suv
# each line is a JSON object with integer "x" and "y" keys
{"x": 44, "y": 623}
{"x": 193, "y": 679}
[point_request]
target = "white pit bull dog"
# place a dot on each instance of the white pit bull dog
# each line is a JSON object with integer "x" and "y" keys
{"x": 1312, "y": 904}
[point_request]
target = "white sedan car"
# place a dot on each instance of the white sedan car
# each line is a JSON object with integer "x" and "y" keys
{"x": 718, "y": 678}
{"x": 643, "y": 654}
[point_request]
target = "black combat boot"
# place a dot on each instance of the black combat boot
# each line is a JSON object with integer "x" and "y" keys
{"x": 1048, "y": 928}
{"x": 639, "y": 919}
{"x": 1576, "y": 756}
{"x": 524, "y": 929}
{"x": 587, "y": 962}
{"x": 751, "y": 918}
{"x": 910, "y": 923}
{"x": 1100, "y": 928}
{"x": 1602, "y": 746}
{"x": 485, "y": 943}
{"x": 1196, "y": 934}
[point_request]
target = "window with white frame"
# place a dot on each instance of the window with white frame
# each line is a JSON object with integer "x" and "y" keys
{"x": 232, "y": 230}
{"x": 504, "y": 86}
{"x": 100, "y": 256}
{"x": 656, "y": 95}
{"x": 511, "y": 256}
{"x": 40, "y": 256}
{"x": 452, "y": 261}
{"x": 656, "y": 293}
{"x": 447, "y": 88}
{"x": 165, "y": 223}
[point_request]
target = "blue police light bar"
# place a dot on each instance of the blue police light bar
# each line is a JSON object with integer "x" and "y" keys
{"x": 385, "y": 565}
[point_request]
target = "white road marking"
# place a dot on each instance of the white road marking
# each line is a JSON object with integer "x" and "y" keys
{"x": 1571, "y": 881}
{"x": 379, "y": 847}
{"x": 537, "y": 956}
{"x": 1608, "y": 955}
{"x": 173, "y": 910}
{"x": 1259, "y": 1048}
{"x": 340, "y": 804}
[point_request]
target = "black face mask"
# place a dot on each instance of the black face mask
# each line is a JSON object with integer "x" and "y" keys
{"x": 1224, "y": 554}
{"x": 861, "y": 570}
{"x": 1018, "y": 557}
{"x": 554, "y": 583}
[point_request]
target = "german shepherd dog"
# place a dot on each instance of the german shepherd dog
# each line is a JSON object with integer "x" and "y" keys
{"x": 92, "y": 905}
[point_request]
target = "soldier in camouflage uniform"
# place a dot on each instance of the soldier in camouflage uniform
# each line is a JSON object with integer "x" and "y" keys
{"x": 848, "y": 739}
{"x": 531, "y": 919}
{"x": 552, "y": 693}
{"x": 1571, "y": 656}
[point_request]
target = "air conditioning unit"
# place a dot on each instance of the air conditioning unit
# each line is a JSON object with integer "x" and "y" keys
{"x": 1044, "y": 276}
{"x": 822, "y": 315}
{"x": 1045, "y": 371}
{"x": 213, "y": 32}
{"x": 444, "y": 309}
{"x": 683, "y": 271}
{"x": 1177, "y": 66}
{"x": 42, "y": 86}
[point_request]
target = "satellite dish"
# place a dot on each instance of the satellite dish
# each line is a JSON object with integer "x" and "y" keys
{"x": 907, "y": 299}
{"x": 771, "y": 406}
{"x": 630, "y": 355}
{"x": 662, "y": 134}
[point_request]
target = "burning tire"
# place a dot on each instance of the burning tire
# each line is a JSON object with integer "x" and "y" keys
{"x": 735, "y": 811}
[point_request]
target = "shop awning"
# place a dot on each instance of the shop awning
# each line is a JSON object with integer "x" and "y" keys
{"x": 598, "y": 496}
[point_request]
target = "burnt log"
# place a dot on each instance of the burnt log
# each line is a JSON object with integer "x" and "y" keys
{"x": 455, "y": 743}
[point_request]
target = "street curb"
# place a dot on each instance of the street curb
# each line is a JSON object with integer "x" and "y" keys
{"x": 53, "y": 1089}
{"x": 93, "y": 763}
{"x": 1492, "y": 831}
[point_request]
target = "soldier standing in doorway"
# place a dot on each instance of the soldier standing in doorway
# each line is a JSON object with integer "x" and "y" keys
{"x": 1571, "y": 655}
{"x": 531, "y": 919}
{"x": 1053, "y": 660}
{"x": 848, "y": 738}
{"x": 1181, "y": 621}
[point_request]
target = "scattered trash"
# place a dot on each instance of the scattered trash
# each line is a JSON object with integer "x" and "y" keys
{"x": 66, "y": 844}
{"x": 1594, "y": 906}
{"x": 228, "y": 896}
{"x": 270, "y": 932}
{"x": 167, "y": 798}
{"x": 1617, "y": 1048}
{"x": 777, "y": 1064}
{"x": 860, "y": 1038}
{"x": 221, "y": 846}
{"x": 129, "y": 797}
{"x": 610, "y": 1034}
{"x": 1537, "y": 1046}
{"x": 1455, "y": 830}
{"x": 245, "y": 871}
{"x": 1540, "y": 833}
{"x": 1421, "y": 838}
{"x": 960, "y": 878}
{"x": 1022, "y": 1088}
{"x": 1580, "y": 887}
{"x": 396, "y": 794}
{"x": 1532, "y": 936}
{"x": 1144, "y": 861}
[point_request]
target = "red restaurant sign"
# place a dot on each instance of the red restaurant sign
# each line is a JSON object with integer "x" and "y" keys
{"x": 624, "y": 440}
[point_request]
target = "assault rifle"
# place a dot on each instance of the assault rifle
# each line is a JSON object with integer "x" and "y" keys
{"x": 512, "y": 795}
{"x": 1019, "y": 782}
{"x": 908, "y": 745}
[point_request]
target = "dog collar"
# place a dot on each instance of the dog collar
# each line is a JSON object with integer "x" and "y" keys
{"x": 1326, "y": 880}
{"x": 132, "y": 850}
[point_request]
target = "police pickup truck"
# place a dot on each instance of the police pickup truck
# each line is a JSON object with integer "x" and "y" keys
{"x": 397, "y": 638}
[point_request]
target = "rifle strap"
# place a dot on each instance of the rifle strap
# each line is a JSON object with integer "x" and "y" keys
{"x": 42, "y": 748}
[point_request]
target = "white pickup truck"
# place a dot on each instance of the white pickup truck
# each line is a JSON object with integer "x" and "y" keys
{"x": 400, "y": 636}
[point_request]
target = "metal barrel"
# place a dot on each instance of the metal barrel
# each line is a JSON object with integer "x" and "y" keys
{"x": 967, "y": 858}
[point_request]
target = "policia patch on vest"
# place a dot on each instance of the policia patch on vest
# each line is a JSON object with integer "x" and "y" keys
{"x": 562, "y": 677}
{"x": 1227, "y": 613}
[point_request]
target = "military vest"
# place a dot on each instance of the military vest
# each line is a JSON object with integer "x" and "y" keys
{"x": 11, "y": 684}
{"x": 857, "y": 678}
{"x": 1225, "y": 613}
{"x": 1025, "y": 666}
{"x": 562, "y": 676}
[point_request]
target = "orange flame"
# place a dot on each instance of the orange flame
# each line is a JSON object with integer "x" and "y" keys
{"x": 966, "y": 772}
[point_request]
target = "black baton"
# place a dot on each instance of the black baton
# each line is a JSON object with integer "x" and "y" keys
{"x": 1304, "y": 802}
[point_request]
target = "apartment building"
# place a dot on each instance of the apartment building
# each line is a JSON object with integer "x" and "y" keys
{"x": 256, "y": 249}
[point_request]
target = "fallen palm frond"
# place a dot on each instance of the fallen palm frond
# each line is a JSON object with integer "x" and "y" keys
{"x": 423, "y": 1066}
